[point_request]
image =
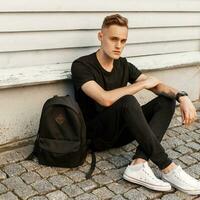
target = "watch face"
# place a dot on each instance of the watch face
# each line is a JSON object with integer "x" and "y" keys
{"x": 183, "y": 93}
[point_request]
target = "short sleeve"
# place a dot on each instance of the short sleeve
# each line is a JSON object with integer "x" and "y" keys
{"x": 80, "y": 74}
{"x": 134, "y": 72}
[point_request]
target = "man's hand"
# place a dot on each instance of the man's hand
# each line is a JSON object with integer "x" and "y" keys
{"x": 151, "y": 82}
{"x": 188, "y": 111}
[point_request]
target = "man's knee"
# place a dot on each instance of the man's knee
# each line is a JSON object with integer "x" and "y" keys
{"x": 128, "y": 102}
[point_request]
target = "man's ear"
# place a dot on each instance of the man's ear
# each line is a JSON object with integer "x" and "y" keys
{"x": 100, "y": 35}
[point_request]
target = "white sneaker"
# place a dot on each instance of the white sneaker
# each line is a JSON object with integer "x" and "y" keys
{"x": 182, "y": 181}
{"x": 143, "y": 175}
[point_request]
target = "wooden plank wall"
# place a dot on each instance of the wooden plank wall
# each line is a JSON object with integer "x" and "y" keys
{"x": 36, "y": 32}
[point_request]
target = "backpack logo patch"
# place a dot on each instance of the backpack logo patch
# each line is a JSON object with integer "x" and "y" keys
{"x": 60, "y": 119}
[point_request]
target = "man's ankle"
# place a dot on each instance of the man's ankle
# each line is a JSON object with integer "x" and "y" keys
{"x": 138, "y": 161}
{"x": 169, "y": 168}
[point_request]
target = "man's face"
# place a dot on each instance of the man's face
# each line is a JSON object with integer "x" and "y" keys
{"x": 113, "y": 40}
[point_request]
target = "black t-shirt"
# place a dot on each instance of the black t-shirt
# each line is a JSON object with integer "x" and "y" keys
{"x": 88, "y": 68}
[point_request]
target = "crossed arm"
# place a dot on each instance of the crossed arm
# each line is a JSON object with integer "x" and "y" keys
{"x": 107, "y": 98}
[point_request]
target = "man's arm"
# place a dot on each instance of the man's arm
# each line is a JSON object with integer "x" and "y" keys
{"x": 107, "y": 98}
{"x": 188, "y": 110}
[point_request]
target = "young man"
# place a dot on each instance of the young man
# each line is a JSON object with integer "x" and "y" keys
{"x": 114, "y": 117}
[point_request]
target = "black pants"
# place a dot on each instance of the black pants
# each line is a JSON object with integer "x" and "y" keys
{"x": 125, "y": 121}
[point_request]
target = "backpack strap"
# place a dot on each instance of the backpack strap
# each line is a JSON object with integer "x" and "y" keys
{"x": 92, "y": 167}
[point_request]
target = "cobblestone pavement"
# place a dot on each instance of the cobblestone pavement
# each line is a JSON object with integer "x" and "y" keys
{"x": 28, "y": 180}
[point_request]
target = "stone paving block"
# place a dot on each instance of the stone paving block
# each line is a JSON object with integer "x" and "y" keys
{"x": 197, "y": 124}
{"x": 25, "y": 192}
{"x": 76, "y": 176}
{"x": 86, "y": 168}
{"x": 178, "y": 162}
{"x": 173, "y": 154}
{"x": 10, "y": 157}
{"x": 170, "y": 197}
{"x": 117, "y": 188}
{"x": 165, "y": 144}
{"x": 192, "y": 127}
{"x": 183, "y": 149}
{"x": 72, "y": 190}
{"x": 198, "y": 130}
{"x": 14, "y": 169}
{"x": 61, "y": 170}
{"x": 174, "y": 122}
{"x": 119, "y": 161}
{"x": 57, "y": 195}
{"x": 43, "y": 186}
{"x": 30, "y": 177}
{"x": 181, "y": 130}
{"x": 60, "y": 181}
{"x": 193, "y": 145}
{"x": 105, "y": 165}
{"x": 86, "y": 196}
{"x": 30, "y": 165}
{"x": 8, "y": 196}
{"x": 46, "y": 172}
{"x": 127, "y": 184}
{"x": 38, "y": 198}
{"x": 87, "y": 185}
{"x": 134, "y": 194}
{"x": 117, "y": 151}
{"x": 129, "y": 147}
{"x": 14, "y": 183}
{"x": 167, "y": 137}
{"x": 118, "y": 197}
{"x": 175, "y": 142}
{"x": 196, "y": 155}
{"x": 194, "y": 169}
{"x": 171, "y": 133}
{"x": 129, "y": 156}
{"x": 184, "y": 196}
{"x": 20, "y": 188}
{"x": 103, "y": 193}
{"x": 149, "y": 193}
{"x": 104, "y": 155}
{"x": 102, "y": 179}
{"x": 186, "y": 138}
{"x": 188, "y": 160}
{"x": 115, "y": 174}
{"x": 194, "y": 135}
{"x": 3, "y": 189}
{"x": 2, "y": 175}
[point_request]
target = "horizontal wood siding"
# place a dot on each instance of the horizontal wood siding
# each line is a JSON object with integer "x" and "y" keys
{"x": 48, "y": 32}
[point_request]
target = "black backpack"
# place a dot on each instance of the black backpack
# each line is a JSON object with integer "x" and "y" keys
{"x": 61, "y": 139}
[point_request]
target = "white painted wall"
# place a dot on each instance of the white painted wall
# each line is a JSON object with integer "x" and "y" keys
{"x": 38, "y": 32}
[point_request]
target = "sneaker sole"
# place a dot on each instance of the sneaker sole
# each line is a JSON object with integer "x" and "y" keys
{"x": 150, "y": 186}
{"x": 191, "y": 192}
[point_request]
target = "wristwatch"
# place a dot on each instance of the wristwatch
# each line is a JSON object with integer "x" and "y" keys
{"x": 180, "y": 94}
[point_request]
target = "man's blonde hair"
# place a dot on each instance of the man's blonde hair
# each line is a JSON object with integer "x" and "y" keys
{"x": 114, "y": 20}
